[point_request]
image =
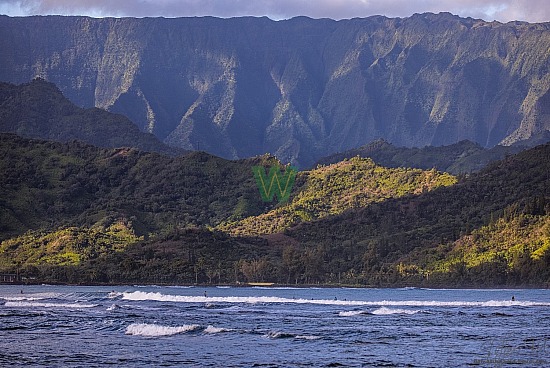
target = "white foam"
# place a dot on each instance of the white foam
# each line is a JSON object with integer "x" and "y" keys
{"x": 142, "y": 296}
{"x": 214, "y": 330}
{"x": 308, "y": 337}
{"x": 48, "y": 305}
{"x": 154, "y": 330}
{"x": 385, "y": 311}
{"x": 278, "y": 335}
{"x": 114, "y": 294}
{"x": 351, "y": 313}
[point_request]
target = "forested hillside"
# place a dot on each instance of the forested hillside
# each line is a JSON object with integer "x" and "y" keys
{"x": 378, "y": 241}
{"x": 331, "y": 190}
{"x": 44, "y": 185}
{"x": 71, "y": 212}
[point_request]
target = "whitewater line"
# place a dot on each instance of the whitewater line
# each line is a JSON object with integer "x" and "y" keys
{"x": 144, "y": 296}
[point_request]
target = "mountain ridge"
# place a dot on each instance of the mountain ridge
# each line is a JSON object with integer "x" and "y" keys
{"x": 463, "y": 157}
{"x": 38, "y": 109}
{"x": 301, "y": 88}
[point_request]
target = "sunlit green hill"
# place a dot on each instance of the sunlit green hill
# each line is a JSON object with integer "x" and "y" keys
{"x": 332, "y": 190}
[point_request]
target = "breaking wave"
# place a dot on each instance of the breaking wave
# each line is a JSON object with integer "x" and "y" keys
{"x": 351, "y": 313}
{"x": 385, "y": 311}
{"x": 154, "y": 330}
{"x": 142, "y": 296}
{"x": 379, "y": 311}
{"x": 213, "y": 330}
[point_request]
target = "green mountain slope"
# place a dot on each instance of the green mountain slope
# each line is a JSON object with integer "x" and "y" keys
{"x": 331, "y": 190}
{"x": 377, "y": 239}
{"x": 46, "y": 185}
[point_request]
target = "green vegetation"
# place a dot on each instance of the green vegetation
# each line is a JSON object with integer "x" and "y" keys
{"x": 48, "y": 185}
{"x": 395, "y": 241}
{"x": 70, "y": 212}
{"x": 115, "y": 255}
{"x": 66, "y": 247}
{"x": 512, "y": 250}
{"x": 331, "y": 190}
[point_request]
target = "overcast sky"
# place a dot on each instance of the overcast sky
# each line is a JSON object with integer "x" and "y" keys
{"x": 501, "y": 10}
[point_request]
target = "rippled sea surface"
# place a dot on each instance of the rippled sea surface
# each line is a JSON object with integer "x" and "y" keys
{"x": 70, "y": 326}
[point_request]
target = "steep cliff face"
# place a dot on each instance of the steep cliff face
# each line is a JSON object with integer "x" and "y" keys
{"x": 300, "y": 88}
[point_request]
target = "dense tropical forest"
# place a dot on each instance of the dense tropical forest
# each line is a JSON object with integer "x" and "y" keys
{"x": 71, "y": 212}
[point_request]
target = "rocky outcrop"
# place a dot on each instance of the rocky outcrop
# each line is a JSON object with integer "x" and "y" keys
{"x": 300, "y": 88}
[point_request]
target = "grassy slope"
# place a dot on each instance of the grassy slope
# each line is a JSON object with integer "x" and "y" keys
{"x": 331, "y": 190}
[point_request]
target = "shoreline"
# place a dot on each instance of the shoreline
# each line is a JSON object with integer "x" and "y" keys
{"x": 294, "y": 286}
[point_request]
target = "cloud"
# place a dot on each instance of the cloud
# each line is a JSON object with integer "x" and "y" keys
{"x": 501, "y": 10}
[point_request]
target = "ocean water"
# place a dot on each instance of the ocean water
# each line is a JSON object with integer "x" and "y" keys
{"x": 69, "y": 326}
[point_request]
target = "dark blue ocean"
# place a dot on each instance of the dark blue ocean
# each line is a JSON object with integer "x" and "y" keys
{"x": 69, "y": 326}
